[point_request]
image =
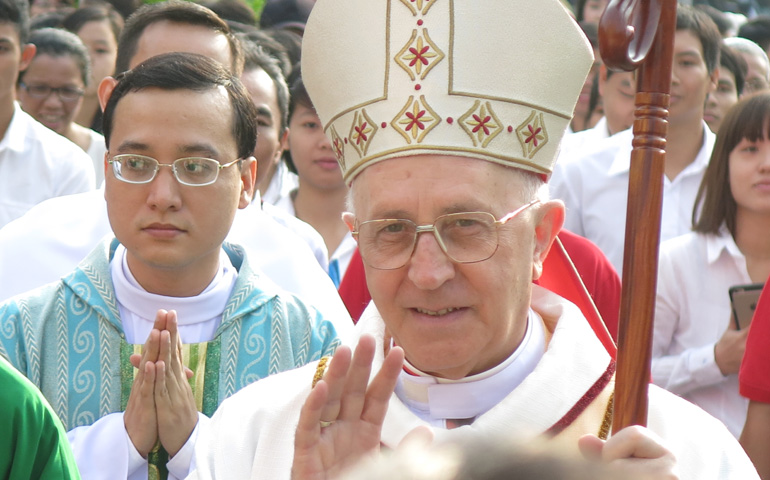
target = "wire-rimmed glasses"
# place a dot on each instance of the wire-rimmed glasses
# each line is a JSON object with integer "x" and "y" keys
{"x": 192, "y": 171}
{"x": 467, "y": 237}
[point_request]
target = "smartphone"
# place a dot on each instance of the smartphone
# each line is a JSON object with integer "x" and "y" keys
{"x": 743, "y": 299}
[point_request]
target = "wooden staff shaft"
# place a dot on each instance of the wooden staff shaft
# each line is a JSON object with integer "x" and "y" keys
{"x": 645, "y": 198}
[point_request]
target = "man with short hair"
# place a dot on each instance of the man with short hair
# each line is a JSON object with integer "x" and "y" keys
{"x": 180, "y": 132}
{"x": 54, "y": 237}
{"x": 594, "y": 186}
{"x": 265, "y": 83}
{"x": 446, "y": 146}
{"x": 35, "y": 163}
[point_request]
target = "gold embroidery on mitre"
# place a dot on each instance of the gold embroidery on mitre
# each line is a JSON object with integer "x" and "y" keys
{"x": 339, "y": 147}
{"x": 481, "y": 123}
{"x": 421, "y": 6}
{"x": 532, "y": 134}
{"x": 415, "y": 120}
{"x": 361, "y": 132}
{"x": 419, "y": 52}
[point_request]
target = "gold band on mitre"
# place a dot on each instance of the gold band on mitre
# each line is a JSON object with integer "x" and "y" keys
{"x": 490, "y": 79}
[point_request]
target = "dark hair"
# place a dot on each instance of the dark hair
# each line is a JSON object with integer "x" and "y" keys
{"x": 273, "y": 47}
{"x": 55, "y": 42}
{"x": 297, "y": 96}
{"x": 591, "y": 31}
{"x": 735, "y": 63}
{"x": 285, "y": 14}
{"x": 175, "y": 11}
{"x": 749, "y": 119}
{"x": 291, "y": 41}
{"x": 16, "y": 12}
{"x": 254, "y": 57}
{"x": 757, "y": 30}
{"x": 94, "y": 13}
{"x": 701, "y": 25}
{"x": 234, "y": 10}
{"x": 49, "y": 19}
{"x": 189, "y": 71}
{"x": 720, "y": 19}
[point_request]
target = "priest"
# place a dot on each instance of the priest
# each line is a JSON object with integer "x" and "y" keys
{"x": 446, "y": 117}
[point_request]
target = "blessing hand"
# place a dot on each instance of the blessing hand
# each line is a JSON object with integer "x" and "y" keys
{"x": 341, "y": 420}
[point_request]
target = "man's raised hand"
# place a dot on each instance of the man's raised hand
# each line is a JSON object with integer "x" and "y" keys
{"x": 341, "y": 420}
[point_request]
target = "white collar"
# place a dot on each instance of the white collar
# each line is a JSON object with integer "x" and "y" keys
{"x": 722, "y": 242}
{"x": 437, "y": 399}
{"x": 205, "y": 306}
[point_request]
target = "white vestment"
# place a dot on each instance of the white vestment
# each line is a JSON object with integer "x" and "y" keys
{"x": 52, "y": 238}
{"x": 252, "y": 433}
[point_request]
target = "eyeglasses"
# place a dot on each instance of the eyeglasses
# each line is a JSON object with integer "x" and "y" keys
{"x": 755, "y": 85}
{"x": 192, "y": 171}
{"x": 65, "y": 94}
{"x": 467, "y": 237}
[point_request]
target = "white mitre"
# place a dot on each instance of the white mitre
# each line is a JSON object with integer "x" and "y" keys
{"x": 490, "y": 79}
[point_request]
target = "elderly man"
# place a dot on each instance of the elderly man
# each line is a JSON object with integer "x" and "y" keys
{"x": 180, "y": 132}
{"x": 446, "y": 117}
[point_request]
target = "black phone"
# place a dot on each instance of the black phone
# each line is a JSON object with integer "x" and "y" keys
{"x": 743, "y": 299}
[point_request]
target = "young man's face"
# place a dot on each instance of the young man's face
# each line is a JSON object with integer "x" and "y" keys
{"x": 618, "y": 94}
{"x": 164, "y": 225}
{"x": 262, "y": 90}
{"x": 691, "y": 81}
{"x": 721, "y": 100}
{"x": 14, "y": 57}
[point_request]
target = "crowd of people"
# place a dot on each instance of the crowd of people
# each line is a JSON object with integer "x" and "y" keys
{"x": 211, "y": 263}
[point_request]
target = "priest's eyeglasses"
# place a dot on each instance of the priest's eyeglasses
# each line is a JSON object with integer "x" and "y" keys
{"x": 467, "y": 237}
{"x": 192, "y": 171}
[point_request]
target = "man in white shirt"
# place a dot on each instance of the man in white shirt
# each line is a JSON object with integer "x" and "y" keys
{"x": 616, "y": 91}
{"x": 594, "y": 186}
{"x": 35, "y": 163}
{"x": 446, "y": 148}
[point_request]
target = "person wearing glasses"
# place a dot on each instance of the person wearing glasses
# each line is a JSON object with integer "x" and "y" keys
{"x": 449, "y": 205}
{"x": 51, "y": 90}
{"x": 35, "y": 163}
{"x": 158, "y": 325}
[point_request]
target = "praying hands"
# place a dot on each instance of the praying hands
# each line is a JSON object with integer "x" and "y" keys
{"x": 161, "y": 404}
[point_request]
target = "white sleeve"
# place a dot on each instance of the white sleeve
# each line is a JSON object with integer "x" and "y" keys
{"x": 183, "y": 462}
{"x": 692, "y": 368}
{"x": 103, "y": 450}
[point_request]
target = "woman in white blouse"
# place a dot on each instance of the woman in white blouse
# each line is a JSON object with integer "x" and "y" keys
{"x": 697, "y": 349}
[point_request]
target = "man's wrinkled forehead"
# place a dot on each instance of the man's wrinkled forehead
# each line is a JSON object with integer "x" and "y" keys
{"x": 165, "y": 37}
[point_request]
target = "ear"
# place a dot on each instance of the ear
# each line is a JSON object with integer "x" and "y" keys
{"x": 350, "y": 221}
{"x": 714, "y": 77}
{"x": 248, "y": 177}
{"x": 27, "y": 53}
{"x": 106, "y": 165}
{"x": 549, "y": 223}
{"x": 285, "y": 139}
{"x": 104, "y": 90}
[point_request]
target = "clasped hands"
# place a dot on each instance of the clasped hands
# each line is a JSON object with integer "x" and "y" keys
{"x": 341, "y": 423}
{"x": 161, "y": 405}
